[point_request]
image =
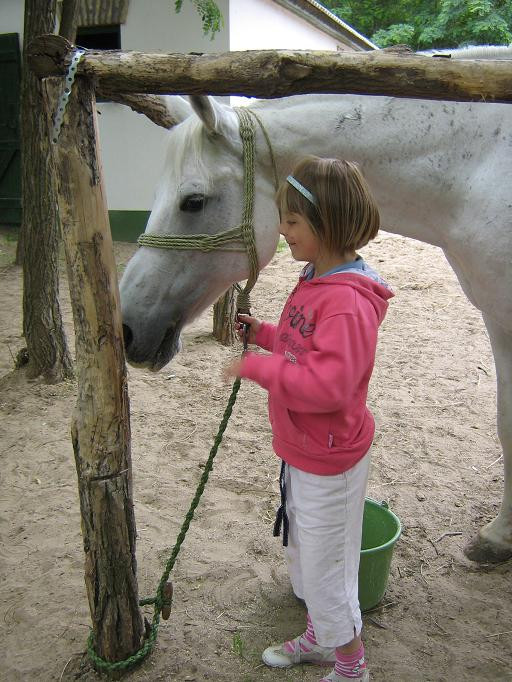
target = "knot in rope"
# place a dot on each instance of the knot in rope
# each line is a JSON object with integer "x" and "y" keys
{"x": 243, "y": 301}
{"x": 163, "y": 597}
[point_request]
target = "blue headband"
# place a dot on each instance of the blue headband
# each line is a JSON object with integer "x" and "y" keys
{"x": 300, "y": 188}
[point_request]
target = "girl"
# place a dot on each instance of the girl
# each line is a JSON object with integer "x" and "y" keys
{"x": 317, "y": 375}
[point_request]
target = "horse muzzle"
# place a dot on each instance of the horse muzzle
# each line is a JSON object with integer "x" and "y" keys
{"x": 144, "y": 352}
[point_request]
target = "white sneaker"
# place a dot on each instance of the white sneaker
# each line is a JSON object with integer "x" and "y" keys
{"x": 278, "y": 657}
{"x": 334, "y": 677}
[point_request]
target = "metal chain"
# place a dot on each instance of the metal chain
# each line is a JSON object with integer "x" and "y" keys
{"x": 63, "y": 99}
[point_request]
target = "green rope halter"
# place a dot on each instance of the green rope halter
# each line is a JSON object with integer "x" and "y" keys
{"x": 239, "y": 238}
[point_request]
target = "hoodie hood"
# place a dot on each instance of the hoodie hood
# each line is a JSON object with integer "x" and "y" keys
{"x": 367, "y": 282}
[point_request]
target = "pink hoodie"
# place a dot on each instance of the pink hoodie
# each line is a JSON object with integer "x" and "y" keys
{"x": 323, "y": 351}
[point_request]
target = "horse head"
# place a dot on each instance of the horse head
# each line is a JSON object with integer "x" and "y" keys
{"x": 200, "y": 193}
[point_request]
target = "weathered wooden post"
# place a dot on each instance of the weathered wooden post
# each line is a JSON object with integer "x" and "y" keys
{"x": 101, "y": 421}
{"x": 223, "y": 316}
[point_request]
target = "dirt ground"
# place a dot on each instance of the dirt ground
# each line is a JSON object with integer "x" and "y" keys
{"x": 436, "y": 461}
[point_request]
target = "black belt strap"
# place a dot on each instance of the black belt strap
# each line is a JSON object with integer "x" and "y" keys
{"x": 281, "y": 515}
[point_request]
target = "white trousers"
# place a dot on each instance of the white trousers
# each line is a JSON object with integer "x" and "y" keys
{"x": 324, "y": 542}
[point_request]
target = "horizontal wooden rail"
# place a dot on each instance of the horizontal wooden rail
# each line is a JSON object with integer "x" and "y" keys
{"x": 280, "y": 73}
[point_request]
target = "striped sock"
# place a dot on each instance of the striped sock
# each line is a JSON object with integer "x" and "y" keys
{"x": 305, "y": 639}
{"x": 309, "y": 635}
{"x": 350, "y": 665}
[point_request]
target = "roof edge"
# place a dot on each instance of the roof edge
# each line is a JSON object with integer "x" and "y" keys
{"x": 322, "y": 18}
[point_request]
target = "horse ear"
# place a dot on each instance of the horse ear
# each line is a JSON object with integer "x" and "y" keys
{"x": 216, "y": 117}
{"x": 178, "y": 109}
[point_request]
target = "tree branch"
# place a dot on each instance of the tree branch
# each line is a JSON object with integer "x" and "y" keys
{"x": 152, "y": 106}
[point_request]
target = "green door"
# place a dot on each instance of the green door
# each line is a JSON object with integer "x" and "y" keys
{"x": 10, "y": 159}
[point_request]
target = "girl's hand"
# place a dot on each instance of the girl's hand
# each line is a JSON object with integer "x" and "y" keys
{"x": 254, "y": 323}
{"x": 232, "y": 370}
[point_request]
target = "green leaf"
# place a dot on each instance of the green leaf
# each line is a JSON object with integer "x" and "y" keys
{"x": 434, "y": 23}
{"x": 211, "y": 17}
{"x": 396, "y": 34}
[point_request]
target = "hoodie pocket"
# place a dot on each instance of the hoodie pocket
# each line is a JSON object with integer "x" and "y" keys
{"x": 304, "y": 430}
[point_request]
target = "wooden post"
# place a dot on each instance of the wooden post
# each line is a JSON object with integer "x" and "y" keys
{"x": 223, "y": 318}
{"x": 69, "y": 19}
{"x": 101, "y": 422}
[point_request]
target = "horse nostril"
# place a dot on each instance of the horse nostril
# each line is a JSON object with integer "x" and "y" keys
{"x": 127, "y": 336}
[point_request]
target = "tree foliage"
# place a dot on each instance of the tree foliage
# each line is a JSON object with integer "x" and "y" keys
{"x": 211, "y": 17}
{"x": 424, "y": 24}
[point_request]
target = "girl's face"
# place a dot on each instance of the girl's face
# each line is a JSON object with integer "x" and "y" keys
{"x": 303, "y": 243}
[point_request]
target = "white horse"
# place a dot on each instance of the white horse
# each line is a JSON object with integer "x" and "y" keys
{"x": 440, "y": 172}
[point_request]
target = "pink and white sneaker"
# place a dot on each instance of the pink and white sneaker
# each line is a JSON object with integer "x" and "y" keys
{"x": 298, "y": 651}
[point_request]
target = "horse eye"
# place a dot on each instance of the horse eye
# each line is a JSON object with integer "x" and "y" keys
{"x": 193, "y": 203}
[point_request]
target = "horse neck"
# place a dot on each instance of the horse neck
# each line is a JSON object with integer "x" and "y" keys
{"x": 386, "y": 136}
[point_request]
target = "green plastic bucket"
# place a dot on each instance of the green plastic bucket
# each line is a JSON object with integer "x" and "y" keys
{"x": 381, "y": 530}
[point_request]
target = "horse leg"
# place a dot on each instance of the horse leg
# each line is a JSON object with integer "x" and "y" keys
{"x": 494, "y": 541}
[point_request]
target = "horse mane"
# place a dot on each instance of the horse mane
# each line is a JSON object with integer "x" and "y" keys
{"x": 187, "y": 144}
{"x": 474, "y": 52}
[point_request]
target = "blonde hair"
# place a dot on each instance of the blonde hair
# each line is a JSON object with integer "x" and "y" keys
{"x": 344, "y": 216}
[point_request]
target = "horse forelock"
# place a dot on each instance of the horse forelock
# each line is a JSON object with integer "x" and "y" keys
{"x": 185, "y": 154}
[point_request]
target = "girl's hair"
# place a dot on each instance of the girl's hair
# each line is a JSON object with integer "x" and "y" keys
{"x": 344, "y": 216}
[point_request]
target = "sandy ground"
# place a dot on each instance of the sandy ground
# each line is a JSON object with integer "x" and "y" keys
{"x": 436, "y": 462}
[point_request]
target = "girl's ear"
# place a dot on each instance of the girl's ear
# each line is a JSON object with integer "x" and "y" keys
{"x": 217, "y": 118}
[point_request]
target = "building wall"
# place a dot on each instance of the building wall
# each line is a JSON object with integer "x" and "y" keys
{"x": 132, "y": 148}
{"x": 264, "y": 25}
{"x": 11, "y": 17}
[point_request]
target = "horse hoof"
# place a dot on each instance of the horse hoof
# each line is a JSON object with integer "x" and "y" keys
{"x": 485, "y": 552}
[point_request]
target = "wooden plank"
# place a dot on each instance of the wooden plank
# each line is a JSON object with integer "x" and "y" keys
{"x": 271, "y": 73}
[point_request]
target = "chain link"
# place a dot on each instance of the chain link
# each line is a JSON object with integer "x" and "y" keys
{"x": 63, "y": 99}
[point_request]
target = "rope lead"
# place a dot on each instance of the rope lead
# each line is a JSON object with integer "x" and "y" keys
{"x": 159, "y": 600}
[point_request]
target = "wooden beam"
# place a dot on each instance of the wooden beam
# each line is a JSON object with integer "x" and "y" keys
{"x": 101, "y": 422}
{"x": 271, "y": 73}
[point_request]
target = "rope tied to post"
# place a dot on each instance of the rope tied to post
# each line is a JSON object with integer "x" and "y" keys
{"x": 163, "y": 598}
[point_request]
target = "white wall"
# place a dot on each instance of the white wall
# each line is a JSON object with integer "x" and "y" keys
{"x": 132, "y": 147}
{"x": 153, "y": 26}
{"x": 132, "y": 156}
{"x": 11, "y": 17}
{"x": 265, "y": 25}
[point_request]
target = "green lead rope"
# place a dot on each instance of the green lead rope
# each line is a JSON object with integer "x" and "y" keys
{"x": 159, "y": 601}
